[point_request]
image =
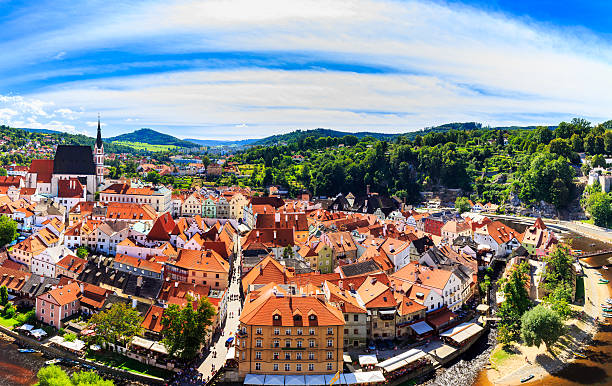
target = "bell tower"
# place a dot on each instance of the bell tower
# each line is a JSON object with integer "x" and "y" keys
{"x": 99, "y": 156}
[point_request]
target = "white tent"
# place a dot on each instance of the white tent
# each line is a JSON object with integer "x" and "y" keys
{"x": 296, "y": 380}
{"x": 26, "y": 327}
{"x": 369, "y": 377}
{"x": 231, "y": 353}
{"x": 275, "y": 380}
{"x": 369, "y": 359}
{"x": 38, "y": 333}
{"x": 254, "y": 379}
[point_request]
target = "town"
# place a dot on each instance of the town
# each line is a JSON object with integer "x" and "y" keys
{"x": 229, "y": 284}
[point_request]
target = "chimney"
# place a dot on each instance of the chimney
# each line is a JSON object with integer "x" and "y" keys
{"x": 134, "y": 303}
{"x": 82, "y": 287}
{"x": 373, "y": 280}
{"x": 340, "y": 284}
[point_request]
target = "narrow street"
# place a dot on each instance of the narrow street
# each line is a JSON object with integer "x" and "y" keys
{"x": 234, "y": 307}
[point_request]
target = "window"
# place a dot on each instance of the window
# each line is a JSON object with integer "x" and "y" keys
{"x": 346, "y": 331}
{"x": 258, "y": 343}
{"x": 258, "y": 331}
{"x": 330, "y": 331}
{"x": 330, "y": 343}
{"x": 356, "y": 318}
{"x": 312, "y": 331}
{"x": 330, "y": 366}
{"x": 311, "y": 356}
{"x": 346, "y": 317}
{"x": 287, "y": 367}
{"x": 276, "y": 331}
{"x": 311, "y": 343}
{"x": 311, "y": 367}
{"x": 288, "y": 331}
{"x": 275, "y": 356}
{"x": 329, "y": 355}
{"x": 287, "y": 356}
{"x": 275, "y": 367}
{"x": 276, "y": 343}
{"x": 257, "y": 354}
{"x": 298, "y": 356}
{"x": 298, "y": 367}
{"x": 299, "y": 331}
{"x": 287, "y": 343}
{"x": 299, "y": 344}
{"x": 355, "y": 331}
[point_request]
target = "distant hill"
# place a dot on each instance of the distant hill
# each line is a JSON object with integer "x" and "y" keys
{"x": 317, "y": 133}
{"x": 151, "y": 137}
{"x": 214, "y": 142}
{"x": 42, "y": 131}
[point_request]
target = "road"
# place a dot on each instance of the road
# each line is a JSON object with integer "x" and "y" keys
{"x": 231, "y": 326}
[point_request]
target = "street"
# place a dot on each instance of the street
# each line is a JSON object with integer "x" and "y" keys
{"x": 231, "y": 326}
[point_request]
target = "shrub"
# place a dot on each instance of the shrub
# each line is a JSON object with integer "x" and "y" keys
{"x": 69, "y": 337}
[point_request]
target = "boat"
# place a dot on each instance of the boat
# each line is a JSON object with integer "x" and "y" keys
{"x": 597, "y": 273}
{"x": 604, "y": 267}
{"x": 605, "y": 324}
{"x": 604, "y": 281}
{"x": 607, "y": 310}
{"x": 527, "y": 378}
{"x": 607, "y": 315}
{"x": 579, "y": 355}
{"x": 27, "y": 350}
{"x": 52, "y": 361}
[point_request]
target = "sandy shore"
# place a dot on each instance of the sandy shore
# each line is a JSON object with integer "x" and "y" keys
{"x": 524, "y": 361}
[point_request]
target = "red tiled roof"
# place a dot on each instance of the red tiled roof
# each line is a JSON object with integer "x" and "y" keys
{"x": 43, "y": 168}
{"x": 70, "y": 188}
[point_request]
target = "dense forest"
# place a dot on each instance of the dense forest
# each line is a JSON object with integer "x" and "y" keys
{"x": 536, "y": 164}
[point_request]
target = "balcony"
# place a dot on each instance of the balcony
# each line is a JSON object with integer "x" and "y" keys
{"x": 242, "y": 334}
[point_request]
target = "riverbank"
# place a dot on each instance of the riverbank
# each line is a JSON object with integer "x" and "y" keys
{"x": 509, "y": 367}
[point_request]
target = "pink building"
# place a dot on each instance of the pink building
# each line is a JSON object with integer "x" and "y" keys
{"x": 54, "y": 306}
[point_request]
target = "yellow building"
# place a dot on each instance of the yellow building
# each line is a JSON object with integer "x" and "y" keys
{"x": 289, "y": 334}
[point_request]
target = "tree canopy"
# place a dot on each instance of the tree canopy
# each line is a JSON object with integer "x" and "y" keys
{"x": 185, "y": 328}
{"x": 118, "y": 324}
{"x": 541, "y": 325}
{"x": 8, "y": 230}
{"x": 54, "y": 376}
{"x": 516, "y": 303}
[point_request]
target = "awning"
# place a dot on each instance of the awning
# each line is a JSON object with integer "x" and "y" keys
{"x": 402, "y": 360}
{"x": 346, "y": 357}
{"x": 330, "y": 377}
{"x": 349, "y": 379}
{"x": 370, "y": 377}
{"x": 421, "y": 328}
{"x": 254, "y": 379}
{"x": 462, "y": 332}
{"x": 365, "y": 360}
{"x": 26, "y": 327}
{"x": 276, "y": 380}
{"x": 230, "y": 339}
{"x": 231, "y": 353}
{"x": 387, "y": 312}
{"x": 294, "y": 380}
{"x": 38, "y": 333}
{"x": 315, "y": 380}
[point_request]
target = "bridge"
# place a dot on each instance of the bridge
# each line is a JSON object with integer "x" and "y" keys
{"x": 595, "y": 253}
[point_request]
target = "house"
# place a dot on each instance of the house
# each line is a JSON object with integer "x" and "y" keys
{"x": 70, "y": 266}
{"x": 380, "y": 302}
{"x": 354, "y": 313}
{"x": 158, "y": 197}
{"x": 57, "y": 305}
{"x": 45, "y": 263}
{"x": 500, "y": 238}
{"x": 289, "y": 334}
{"x": 453, "y": 229}
{"x": 199, "y": 267}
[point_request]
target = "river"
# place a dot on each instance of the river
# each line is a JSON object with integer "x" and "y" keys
{"x": 17, "y": 368}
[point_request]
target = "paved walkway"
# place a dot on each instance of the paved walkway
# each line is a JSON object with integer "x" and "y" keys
{"x": 212, "y": 362}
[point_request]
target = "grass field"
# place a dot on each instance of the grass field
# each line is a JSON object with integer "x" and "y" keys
{"x": 145, "y": 146}
{"x": 128, "y": 364}
{"x": 8, "y": 322}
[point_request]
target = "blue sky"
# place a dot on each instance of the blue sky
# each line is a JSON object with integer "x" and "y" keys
{"x": 243, "y": 69}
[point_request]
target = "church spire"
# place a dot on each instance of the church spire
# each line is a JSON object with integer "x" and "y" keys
{"x": 99, "y": 138}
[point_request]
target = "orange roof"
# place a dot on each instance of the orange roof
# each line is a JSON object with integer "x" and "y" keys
{"x": 128, "y": 189}
{"x": 64, "y": 295}
{"x": 266, "y": 271}
{"x": 71, "y": 188}
{"x": 344, "y": 300}
{"x": 406, "y": 306}
{"x": 139, "y": 263}
{"x": 376, "y": 294}
{"x": 426, "y": 276}
{"x": 72, "y": 263}
{"x": 152, "y": 319}
{"x": 129, "y": 211}
{"x": 43, "y": 168}
{"x": 292, "y": 310}
{"x": 12, "y": 278}
{"x": 209, "y": 261}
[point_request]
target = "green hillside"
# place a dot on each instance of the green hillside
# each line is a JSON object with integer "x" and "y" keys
{"x": 152, "y": 137}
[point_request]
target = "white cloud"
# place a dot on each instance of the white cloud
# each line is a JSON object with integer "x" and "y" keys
{"x": 452, "y": 63}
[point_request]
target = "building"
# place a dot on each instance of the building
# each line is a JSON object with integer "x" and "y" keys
{"x": 45, "y": 263}
{"x": 289, "y": 334}
{"x": 355, "y": 314}
{"x": 55, "y": 306}
{"x": 199, "y": 267}
{"x": 74, "y": 162}
{"x": 158, "y": 197}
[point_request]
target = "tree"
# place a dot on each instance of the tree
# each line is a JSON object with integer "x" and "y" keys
{"x": 598, "y": 206}
{"x": 516, "y": 303}
{"x": 185, "y": 329}
{"x": 55, "y": 376}
{"x": 462, "y": 204}
{"x": 558, "y": 279}
{"x": 543, "y": 135}
{"x": 3, "y": 296}
{"x": 52, "y": 376}
{"x": 559, "y": 193}
{"x": 82, "y": 252}
{"x": 3, "y": 172}
{"x": 598, "y": 161}
{"x": 541, "y": 325}
{"x": 8, "y": 230}
{"x": 287, "y": 252}
{"x": 118, "y": 324}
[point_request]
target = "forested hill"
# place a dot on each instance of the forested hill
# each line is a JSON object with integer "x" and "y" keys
{"x": 300, "y": 135}
{"x": 151, "y": 137}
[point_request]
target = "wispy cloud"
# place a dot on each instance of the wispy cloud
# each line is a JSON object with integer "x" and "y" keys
{"x": 225, "y": 68}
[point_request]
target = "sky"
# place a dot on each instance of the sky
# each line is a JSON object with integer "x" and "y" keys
{"x": 223, "y": 69}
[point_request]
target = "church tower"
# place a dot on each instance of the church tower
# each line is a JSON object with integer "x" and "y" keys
{"x": 99, "y": 156}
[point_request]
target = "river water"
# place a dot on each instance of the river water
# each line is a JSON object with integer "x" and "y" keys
{"x": 18, "y": 368}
